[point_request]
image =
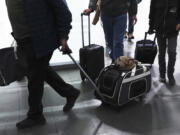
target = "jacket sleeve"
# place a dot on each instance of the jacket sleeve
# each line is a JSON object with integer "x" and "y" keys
{"x": 132, "y": 8}
{"x": 178, "y": 12}
{"x": 63, "y": 17}
{"x": 151, "y": 15}
{"x": 93, "y": 4}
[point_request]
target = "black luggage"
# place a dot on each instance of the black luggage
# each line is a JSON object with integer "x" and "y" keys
{"x": 146, "y": 50}
{"x": 12, "y": 68}
{"x": 91, "y": 56}
{"x": 117, "y": 86}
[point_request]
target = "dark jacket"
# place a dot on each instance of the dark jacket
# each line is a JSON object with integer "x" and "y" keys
{"x": 138, "y": 1}
{"x": 130, "y": 13}
{"x": 115, "y": 7}
{"x": 48, "y": 22}
{"x": 164, "y": 16}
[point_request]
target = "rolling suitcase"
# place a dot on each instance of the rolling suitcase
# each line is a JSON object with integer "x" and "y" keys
{"x": 146, "y": 50}
{"x": 91, "y": 56}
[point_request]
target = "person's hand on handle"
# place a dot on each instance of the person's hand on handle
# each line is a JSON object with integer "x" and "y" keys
{"x": 151, "y": 30}
{"x": 134, "y": 19}
{"x": 87, "y": 11}
{"x": 178, "y": 27}
{"x": 65, "y": 48}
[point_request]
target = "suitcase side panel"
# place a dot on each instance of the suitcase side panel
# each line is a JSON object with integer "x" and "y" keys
{"x": 92, "y": 60}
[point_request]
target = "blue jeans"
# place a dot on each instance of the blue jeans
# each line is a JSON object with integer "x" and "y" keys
{"x": 114, "y": 29}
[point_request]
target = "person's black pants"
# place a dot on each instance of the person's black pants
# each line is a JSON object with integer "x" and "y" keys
{"x": 170, "y": 45}
{"x": 38, "y": 71}
{"x": 130, "y": 25}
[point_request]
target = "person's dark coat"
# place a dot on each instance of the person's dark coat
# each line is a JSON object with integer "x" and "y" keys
{"x": 115, "y": 7}
{"x": 164, "y": 16}
{"x": 48, "y": 22}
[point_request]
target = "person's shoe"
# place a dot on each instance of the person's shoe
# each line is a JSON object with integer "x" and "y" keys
{"x": 29, "y": 123}
{"x": 172, "y": 81}
{"x": 70, "y": 101}
{"x": 125, "y": 34}
{"x": 113, "y": 61}
{"x": 130, "y": 36}
{"x": 162, "y": 79}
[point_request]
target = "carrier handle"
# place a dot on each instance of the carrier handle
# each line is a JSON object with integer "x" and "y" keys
{"x": 133, "y": 71}
{"x": 145, "y": 37}
{"x": 82, "y": 27}
{"x": 86, "y": 75}
{"x": 90, "y": 80}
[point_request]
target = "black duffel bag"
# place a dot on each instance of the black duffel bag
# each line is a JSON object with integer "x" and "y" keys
{"x": 146, "y": 50}
{"x": 12, "y": 65}
{"x": 118, "y": 86}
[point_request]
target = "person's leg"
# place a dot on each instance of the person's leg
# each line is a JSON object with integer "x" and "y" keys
{"x": 127, "y": 28}
{"x": 119, "y": 27}
{"x": 108, "y": 32}
{"x": 172, "y": 44}
{"x": 62, "y": 88}
{"x": 130, "y": 28}
{"x": 35, "y": 74}
{"x": 162, "y": 57}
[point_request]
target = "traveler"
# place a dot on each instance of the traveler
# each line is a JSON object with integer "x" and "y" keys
{"x": 164, "y": 19}
{"x": 39, "y": 27}
{"x": 113, "y": 14}
{"x": 129, "y": 33}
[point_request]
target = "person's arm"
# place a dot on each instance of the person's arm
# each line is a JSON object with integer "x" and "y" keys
{"x": 151, "y": 17}
{"x": 178, "y": 18}
{"x": 63, "y": 19}
{"x": 133, "y": 10}
{"x": 138, "y": 1}
{"x": 92, "y": 6}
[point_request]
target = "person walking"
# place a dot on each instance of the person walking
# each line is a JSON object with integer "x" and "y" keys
{"x": 164, "y": 19}
{"x": 113, "y": 14}
{"x": 129, "y": 33}
{"x": 39, "y": 27}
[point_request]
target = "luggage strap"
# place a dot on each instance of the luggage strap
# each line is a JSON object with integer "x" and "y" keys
{"x": 14, "y": 45}
{"x": 133, "y": 71}
{"x": 2, "y": 77}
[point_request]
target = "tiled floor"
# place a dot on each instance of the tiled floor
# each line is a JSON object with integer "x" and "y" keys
{"x": 158, "y": 115}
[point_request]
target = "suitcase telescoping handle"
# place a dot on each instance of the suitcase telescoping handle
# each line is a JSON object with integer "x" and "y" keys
{"x": 82, "y": 27}
{"x": 90, "y": 80}
{"x": 145, "y": 37}
{"x": 86, "y": 75}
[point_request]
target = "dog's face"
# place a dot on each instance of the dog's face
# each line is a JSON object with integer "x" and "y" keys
{"x": 122, "y": 60}
{"x": 125, "y": 62}
{"x": 119, "y": 62}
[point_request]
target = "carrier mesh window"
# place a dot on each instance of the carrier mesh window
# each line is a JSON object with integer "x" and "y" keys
{"x": 137, "y": 88}
{"x": 108, "y": 82}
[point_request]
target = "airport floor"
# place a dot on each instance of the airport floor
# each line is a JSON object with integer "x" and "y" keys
{"x": 159, "y": 114}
